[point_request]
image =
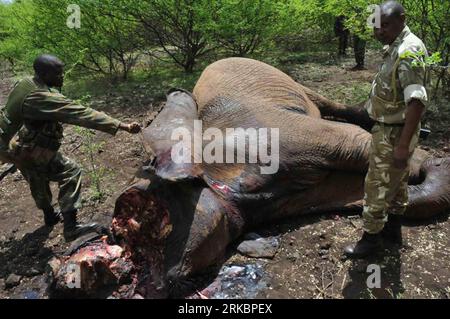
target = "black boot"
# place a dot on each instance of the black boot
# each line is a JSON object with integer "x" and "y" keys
{"x": 51, "y": 218}
{"x": 392, "y": 231}
{"x": 73, "y": 230}
{"x": 369, "y": 244}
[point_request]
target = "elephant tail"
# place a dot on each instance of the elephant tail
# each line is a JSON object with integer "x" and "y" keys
{"x": 432, "y": 196}
{"x": 340, "y": 112}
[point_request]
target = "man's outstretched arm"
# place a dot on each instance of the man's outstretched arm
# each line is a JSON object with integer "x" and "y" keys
{"x": 49, "y": 106}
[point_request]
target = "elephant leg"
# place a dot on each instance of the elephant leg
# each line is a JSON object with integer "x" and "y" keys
{"x": 429, "y": 181}
{"x": 428, "y": 198}
{"x": 344, "y": 192}
{"x": 338, "y": 192}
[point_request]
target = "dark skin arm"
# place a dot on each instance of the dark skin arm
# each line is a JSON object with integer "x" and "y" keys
{"x": 413, "y": 116}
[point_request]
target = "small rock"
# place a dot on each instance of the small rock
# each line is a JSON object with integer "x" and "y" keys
{"x": 13, "y": 280}
{"x": 260, "y": 247}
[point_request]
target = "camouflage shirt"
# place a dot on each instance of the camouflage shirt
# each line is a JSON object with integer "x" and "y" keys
{"x": 38, "y": 111}
{"x": 399, "y": 80}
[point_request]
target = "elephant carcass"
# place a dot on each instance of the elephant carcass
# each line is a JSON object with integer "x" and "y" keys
{"x": 177, "y": 218}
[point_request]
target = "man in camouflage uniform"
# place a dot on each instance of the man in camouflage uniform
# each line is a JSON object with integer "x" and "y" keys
{"x": 396, "y": 103}
{"x": 35, "y": 110}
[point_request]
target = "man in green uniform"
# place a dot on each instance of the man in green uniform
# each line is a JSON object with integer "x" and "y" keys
{"x": 35, "y": 110}
{"x": 397, "y": 102}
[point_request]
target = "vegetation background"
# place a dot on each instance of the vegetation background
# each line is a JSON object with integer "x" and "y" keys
{"x": 118, "y": 38}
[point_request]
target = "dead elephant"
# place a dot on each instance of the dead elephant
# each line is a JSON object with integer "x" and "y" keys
{"x": 176, "y": 219}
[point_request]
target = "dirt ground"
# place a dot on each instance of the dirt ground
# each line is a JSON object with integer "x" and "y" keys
{"x": 309, "y": 263}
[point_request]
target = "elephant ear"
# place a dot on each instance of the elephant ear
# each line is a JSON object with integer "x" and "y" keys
{"x": 175, "y": 117}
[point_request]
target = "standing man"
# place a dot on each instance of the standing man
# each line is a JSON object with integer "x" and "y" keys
{"x": 397, "y": 102}
{"x": 35, "y": 110}
{"x": 341, "y": 31}
{"x": 359, "y": 48}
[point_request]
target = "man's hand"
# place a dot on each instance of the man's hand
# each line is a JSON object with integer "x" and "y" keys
{"x": 401, "y": 155}
{"x": 132, "y": 128}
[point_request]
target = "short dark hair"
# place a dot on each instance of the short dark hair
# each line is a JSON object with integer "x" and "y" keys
{"x": 392, "y": 9}
{"x": 45, "y": 63}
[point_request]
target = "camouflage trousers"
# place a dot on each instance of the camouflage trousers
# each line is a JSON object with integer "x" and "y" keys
{"x": 44, "y": 166}
{"x": 386, "y": 187}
